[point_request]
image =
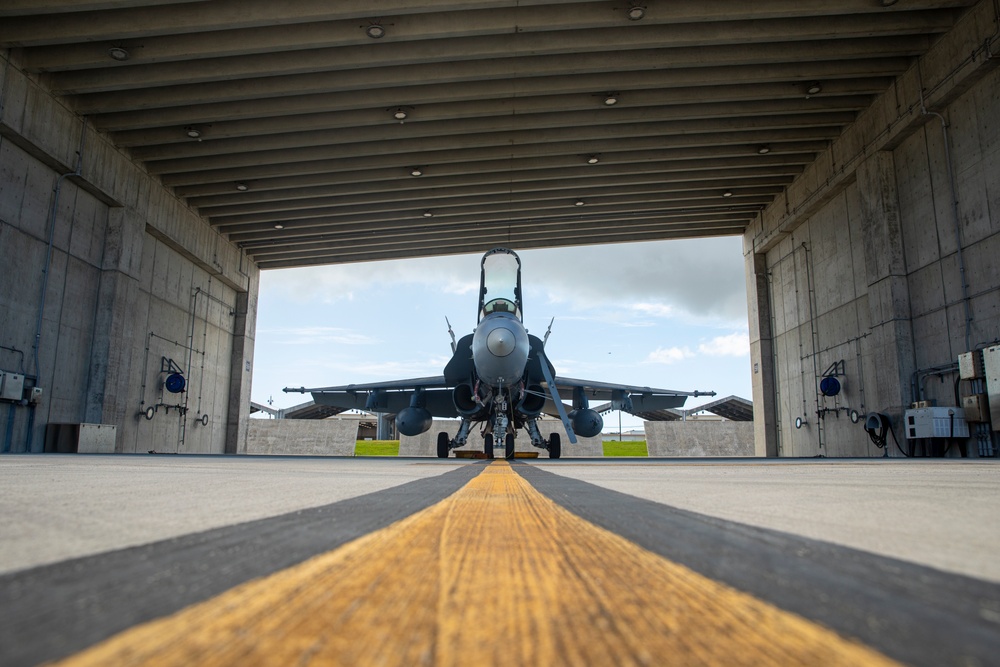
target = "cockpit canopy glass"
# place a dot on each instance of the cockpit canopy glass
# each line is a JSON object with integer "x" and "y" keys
{"x": 501, "y": 284}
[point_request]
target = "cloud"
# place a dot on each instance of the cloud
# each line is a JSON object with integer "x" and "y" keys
{"x": 329, "y": 284}
{"x": 733, "y": 345}
{"x": 653, "y": 309}
{"x": 694, "y": 278}
{"x": 669, "y": 355}
{"x": 313, "y": 335}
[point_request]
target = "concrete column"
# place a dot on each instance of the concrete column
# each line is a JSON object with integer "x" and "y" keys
{"x": 241, "y": 367}
{"x": 761, "y": 356}
{"x": 891, "y": 343}
{"x": 116, "y": 321}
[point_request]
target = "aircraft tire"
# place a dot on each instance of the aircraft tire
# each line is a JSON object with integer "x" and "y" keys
{"x": 509, "y": 446}
{"x": 488, "y": 445}
{"x": 443, "y": 441}
{"x": 555, "y": 446}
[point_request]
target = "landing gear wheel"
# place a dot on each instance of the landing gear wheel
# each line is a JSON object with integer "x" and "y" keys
{"x": 488, "y": 445}
{"x": 555, "y": 446}
{"x": 443, "y": 441}
{"x": 509, "y": 446}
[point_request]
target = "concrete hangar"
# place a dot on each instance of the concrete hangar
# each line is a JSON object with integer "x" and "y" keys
{"x": 156, "y": 155}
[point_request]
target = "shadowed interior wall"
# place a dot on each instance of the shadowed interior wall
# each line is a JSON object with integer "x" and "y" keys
{"x": 872, "y": 279}
{"x": 134, "y": 282}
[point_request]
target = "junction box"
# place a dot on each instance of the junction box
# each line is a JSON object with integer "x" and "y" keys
{"x": 11, "y": 386}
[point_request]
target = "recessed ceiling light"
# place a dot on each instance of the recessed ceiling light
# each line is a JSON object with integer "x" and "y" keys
{"x": 593, "y": 159}
{"x": 579, "y": 202}
{"x": 635, "y": 13}
{"x": 399, "y": 114}
{"x": 279, "y": 226}
{"x": 193, "y": 132}
{"x": 242, "y": 187}
{"x": 763, "y": 150}
{"x": 119, "y": 53}
{"x": 889, "y": 3}
{"x": 416, "y": 172}
{"x": 727, "y": 193}
{"x": 375, "y": 31}
{"x": 428, "y": 214}
{"x": 611, "y": 99}
{"x": 814, "y": 88}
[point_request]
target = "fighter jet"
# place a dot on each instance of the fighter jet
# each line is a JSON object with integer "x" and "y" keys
{"x": 499, "y": 377}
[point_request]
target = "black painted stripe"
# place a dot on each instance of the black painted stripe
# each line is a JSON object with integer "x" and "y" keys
{"x": 55, "y": 610}
{"x": 914, "y": 614}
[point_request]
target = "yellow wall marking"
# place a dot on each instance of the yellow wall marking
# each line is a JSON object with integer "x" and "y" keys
{"x": 495, "y": 574}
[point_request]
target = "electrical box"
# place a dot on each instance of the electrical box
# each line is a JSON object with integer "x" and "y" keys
{"x": 11, "y": 386}
{"x": 970, "y": 365}
{"x": 936, "y": 423}
{"x": 991, "y": 365}
{"x": 976, "y": 408}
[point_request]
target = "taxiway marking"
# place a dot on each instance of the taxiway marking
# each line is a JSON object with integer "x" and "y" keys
{"x": 494, "y": 574}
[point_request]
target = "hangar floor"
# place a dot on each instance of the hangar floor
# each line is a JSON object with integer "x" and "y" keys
{"x": 728, "y": 561}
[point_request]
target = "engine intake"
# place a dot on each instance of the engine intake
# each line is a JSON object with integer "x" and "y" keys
{"x": 532, "y": 401}
{"x": 465, "y": 402}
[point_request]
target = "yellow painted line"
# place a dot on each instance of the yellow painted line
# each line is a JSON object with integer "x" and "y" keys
{"x": 495, "y": 574}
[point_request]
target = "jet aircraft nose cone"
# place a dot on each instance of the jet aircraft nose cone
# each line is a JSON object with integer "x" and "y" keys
{"x": 501, "y": 342}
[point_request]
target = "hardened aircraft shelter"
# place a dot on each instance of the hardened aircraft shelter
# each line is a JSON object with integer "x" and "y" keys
{"x": 156, "y": 156}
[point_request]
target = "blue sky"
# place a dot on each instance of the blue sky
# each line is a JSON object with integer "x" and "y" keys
{"x": 668, "y": 314}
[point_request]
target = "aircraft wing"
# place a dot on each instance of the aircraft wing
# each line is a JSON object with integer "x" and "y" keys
{"x": 625, "y": 397}
{"x": 389, "y": 397}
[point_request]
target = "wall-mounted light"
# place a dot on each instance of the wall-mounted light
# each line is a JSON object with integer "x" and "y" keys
{"x": 242, "y": 187}
{"x": 119, "y": 53}
{"x": 400, "y": 114}
{"x": 375, "y": 31}
{"x": 814, "y": 88}
{"x": 416, "y": 171}
{"x": 800, "y": 422}
{"x": 428, "y": 214}
{"x": 611, "y": 99}
{"x": 279, "y": 226}
{"x": 593, "y": 159}
{"x": 727, "y": 193}
{"x": 193, "y": 132}
{"x": 579, "y": 202}
{"x": 763, "y": 150}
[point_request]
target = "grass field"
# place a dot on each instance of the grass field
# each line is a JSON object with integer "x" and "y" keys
{"x": 391, "y": 448}
{"x": 631, "y": 448}
{"x": 377, "y": 448}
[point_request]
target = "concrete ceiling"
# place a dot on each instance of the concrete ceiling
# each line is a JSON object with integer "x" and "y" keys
{"x": 504, "y": 102}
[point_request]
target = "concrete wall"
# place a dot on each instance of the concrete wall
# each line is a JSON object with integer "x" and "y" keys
{"x": 302, "y": 437}
{"x": 858, "y": 263}
{"x": 425, "y": 444}
{"x": 693, "y": 438}
{"x": 134, "y": 276}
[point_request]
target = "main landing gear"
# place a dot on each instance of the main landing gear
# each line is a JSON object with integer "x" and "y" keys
{"x": 488, "y": 445}
{"x": 555, "y": 446}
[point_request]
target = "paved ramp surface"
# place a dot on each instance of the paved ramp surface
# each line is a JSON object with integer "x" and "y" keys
{"x": 494, "y": 563}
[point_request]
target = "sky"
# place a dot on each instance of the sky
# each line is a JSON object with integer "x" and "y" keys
{"x": 667, "y": 314}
